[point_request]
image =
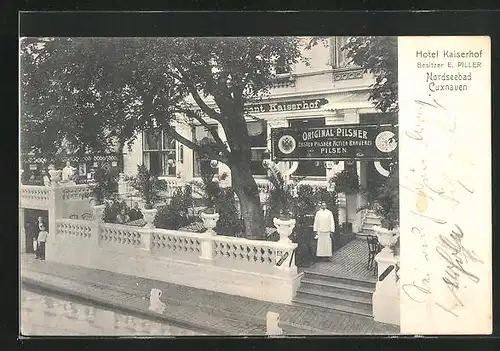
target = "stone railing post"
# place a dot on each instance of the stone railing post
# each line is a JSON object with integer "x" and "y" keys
{"x": 98, "y": 213}
{"x": 207, "y": 244}
{"x": 55, "y": 208}
{"x": 386, "y": 296}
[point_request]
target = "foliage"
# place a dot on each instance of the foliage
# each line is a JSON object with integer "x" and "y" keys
{"x": 112, "y": 209}
{"x": 378, "y": 55}
{"x": 386, "y": 205}
{"x": 113, "y": 88}
{"x": 225, "y": 206}
{"x": 148, "y": 186}
{"x": 304, "y": 205}
{"x": 175, "y": 215}
{"x": 104, "y": 183}
{"x": 220, "y": 200}
{"x": 346, "y": 181}
{"x": 280, "y": 195}
{"x": 210, "y": 188}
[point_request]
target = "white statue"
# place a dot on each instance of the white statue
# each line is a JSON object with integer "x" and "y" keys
{"x": 155, "y": 305}
{"x": 68, "y": 172}
{"x": 272, "y": 321}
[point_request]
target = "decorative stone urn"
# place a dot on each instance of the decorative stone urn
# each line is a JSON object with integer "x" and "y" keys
{"x": 209, "y": 222}
{"x": 55, "y": 176}
{"x": 98, "y": 212}
{"x": 149, "y": 217}
{"x": 285, "y": 228}
{"x": 387, "y": 238}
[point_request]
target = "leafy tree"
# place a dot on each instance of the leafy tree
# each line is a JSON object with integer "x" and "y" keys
{"x": 96, "y": 93}
{"x": 377, "y": 55}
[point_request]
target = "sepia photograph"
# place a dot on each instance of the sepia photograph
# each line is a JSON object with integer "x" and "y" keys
{"x": 209, "y": 186}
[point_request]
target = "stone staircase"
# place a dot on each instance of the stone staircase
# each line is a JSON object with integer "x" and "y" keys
{"x": 371, "y": 220}
{"x": 350, "y": 295}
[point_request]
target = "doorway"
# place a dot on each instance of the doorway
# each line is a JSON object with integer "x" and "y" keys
{"x": 31, "y": 229}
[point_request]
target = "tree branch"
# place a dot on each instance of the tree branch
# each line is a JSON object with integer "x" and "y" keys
{"x": 195, "y": 147}
{"x": 210, "y": 112}
{"x": 200, "y": 119}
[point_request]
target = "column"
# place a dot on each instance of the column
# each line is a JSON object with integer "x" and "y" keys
{"x": 360, "y": 199}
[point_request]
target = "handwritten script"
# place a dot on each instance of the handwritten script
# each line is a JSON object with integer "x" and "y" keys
{"x": 440, "y": 178}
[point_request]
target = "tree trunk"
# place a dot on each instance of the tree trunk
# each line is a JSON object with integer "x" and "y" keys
{"x": 248, "y": 194}
{"x": 241, "y": 175}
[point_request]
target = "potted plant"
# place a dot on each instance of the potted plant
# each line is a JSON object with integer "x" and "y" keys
{"x": 346, "y": 182}
{"x": 280, "y": 202}
{"x": 149, "y": 187}
{"x": 386, "y": 207}
{"x": 211, "y": 191}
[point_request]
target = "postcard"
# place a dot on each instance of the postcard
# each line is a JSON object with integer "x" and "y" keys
{"x": 279, "y": 186}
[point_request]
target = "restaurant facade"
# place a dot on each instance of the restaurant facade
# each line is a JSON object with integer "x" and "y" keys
{"x": 328, "y": 92}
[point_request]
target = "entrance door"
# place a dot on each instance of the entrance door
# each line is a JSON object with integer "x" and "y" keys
{"x": 375, "y": 179}
{"x": 31, "y": 229}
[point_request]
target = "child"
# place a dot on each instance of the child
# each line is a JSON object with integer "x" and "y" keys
{"x": 42, "y": 238}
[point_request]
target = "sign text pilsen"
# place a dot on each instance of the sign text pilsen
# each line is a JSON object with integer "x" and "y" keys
{"x": 341, "y": 142}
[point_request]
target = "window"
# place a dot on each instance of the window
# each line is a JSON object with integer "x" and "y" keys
{"x": 201, "y": 136}
{"x": 258, "y": 140}
{"x": 340, "y": 59}
{"x": 159, "y": 153}
{"x": 309, "y": 168}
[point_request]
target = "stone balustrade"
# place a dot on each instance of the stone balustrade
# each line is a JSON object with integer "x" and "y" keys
{"x": 33, "y": 196}
{"x": 253, "y": 268}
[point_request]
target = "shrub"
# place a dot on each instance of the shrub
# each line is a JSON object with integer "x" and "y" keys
{"x": 148, "y": 186}
{"x": 112, "y": 209}
{"x": 229, "y": 220}
{"x": 104, "y": 184}
{"x": 175, "y": 215}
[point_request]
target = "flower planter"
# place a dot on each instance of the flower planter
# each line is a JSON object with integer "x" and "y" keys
{"x": 55, "y": 176}
{"x": 387, "y": 238}
{"x": 285, "y": 229}
{"x": 149, "y": 217}
{"x": 209, "y": 221}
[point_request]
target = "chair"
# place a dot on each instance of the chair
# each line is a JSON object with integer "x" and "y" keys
{"x": 373, "y": 249}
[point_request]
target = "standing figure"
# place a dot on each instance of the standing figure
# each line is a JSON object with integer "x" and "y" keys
{"x": 324, "y": 224}
{"x": 46, "y": 179}
{"x": 42, "y": 238}
{"x": 68, "y": 172}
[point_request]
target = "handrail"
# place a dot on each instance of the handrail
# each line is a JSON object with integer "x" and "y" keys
{"x": 386, "y": 273}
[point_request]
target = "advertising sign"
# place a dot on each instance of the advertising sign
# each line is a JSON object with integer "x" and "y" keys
{"x": 334, "y": 142}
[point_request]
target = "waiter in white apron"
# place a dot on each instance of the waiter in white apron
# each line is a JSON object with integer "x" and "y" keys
{"x": 324, "y": 224}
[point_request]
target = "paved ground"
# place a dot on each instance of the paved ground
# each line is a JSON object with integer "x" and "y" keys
{"x": 214, "y": 313}
{"x": 349, "y": 261}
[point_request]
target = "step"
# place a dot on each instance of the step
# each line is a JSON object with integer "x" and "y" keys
{"x": 306, "y": 301}
{"x": 355, "y": 282}
{"x": 372, "y": 222}
{"x": 338, "y": 288}
{"x": 337, "y": 299}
